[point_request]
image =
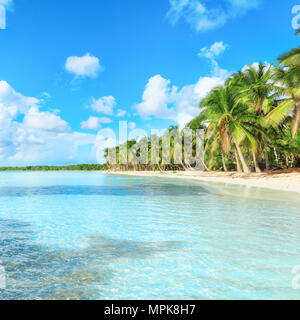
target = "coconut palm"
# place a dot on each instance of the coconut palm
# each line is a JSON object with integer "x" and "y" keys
{"x": 289, "y": 75}
{"x": 214, "y": 145}
{"x": 258, "y": 85}
{"x": 229, "y": 115}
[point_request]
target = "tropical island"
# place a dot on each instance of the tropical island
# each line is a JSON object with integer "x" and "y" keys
{"x": 251, "y": 130}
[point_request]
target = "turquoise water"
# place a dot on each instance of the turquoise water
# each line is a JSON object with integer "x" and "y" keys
{"x": 83, "y": 235}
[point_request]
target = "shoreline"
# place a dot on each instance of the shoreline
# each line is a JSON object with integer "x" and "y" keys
{"x": 289, "y": 182}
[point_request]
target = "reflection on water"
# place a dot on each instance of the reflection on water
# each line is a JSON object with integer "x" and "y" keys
{"x": 91, "y": 236}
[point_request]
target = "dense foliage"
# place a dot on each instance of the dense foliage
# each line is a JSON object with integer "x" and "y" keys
{"x": 251, "y": 123}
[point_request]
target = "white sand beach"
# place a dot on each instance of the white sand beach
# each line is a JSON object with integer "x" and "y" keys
{"x": 284, "y": 181}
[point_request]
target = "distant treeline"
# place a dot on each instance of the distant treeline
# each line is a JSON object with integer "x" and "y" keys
{"x": 77, "y": 167}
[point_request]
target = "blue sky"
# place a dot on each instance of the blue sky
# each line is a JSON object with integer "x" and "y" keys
{"x": 70, "y": 67}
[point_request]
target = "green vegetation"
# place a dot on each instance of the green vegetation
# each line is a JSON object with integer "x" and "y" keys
{"x": 254, "y": 118}
{"x": 135, "y": 148}
{"x": 78, "y": 167}
{"x": 251, "y": 123}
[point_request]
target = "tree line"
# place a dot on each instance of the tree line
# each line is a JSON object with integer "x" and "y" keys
{"x": 78, "y": 167}
{"x": 251, "y": 123}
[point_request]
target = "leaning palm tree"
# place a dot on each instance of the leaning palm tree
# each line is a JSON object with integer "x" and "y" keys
{"x": 289, "y": 76}
{"x": 257, "y": 84}
{"x": 214, "y": 144}
{"x": 229, "y": 116}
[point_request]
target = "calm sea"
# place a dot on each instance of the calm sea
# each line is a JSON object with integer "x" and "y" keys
{"x": 78, "y": 235}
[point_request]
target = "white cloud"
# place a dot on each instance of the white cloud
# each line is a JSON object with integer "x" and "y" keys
{"x": 121, "y": 113}
{"x": 35, "y": 119}
{"x": 156, "y": 97}
{"x": 51, "y": 148}
{"x": 92, "y": 123}
{"x": 214, "y": 51}
{"x": 42, "y": 137}
{"x": 87, "y": 65}
{"x": 203, "y": 17}
{"x": 13, "y": 103}
{"x": 104, "y": 105}
{"x": 162, "y": 100}
{"x": 105, "y": 120}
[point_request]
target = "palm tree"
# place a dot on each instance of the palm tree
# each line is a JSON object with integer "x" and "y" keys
{"x": 259, "y": 87}
{"x": 214, "y": 145}
{"x": 289, "y": 76}
{"x": 229, "y": 116}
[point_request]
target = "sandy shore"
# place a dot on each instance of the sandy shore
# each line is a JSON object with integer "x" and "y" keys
{"x": 283, "y": 182}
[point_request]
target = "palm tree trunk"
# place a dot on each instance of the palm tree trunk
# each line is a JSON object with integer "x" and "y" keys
{"x": 287, "y": 160}
{"x": 257, "y": 168}
{"x": 244, "y": 164}
{"x": 238, "y": 165}
{"x": 266, "y": 155}
{"x": 293, "y": 160}
{"x": 296, "y": 119}
{"x": 223, "y": 160}
{"x": 276, "y": 156}
{"x": 204, "y": 165}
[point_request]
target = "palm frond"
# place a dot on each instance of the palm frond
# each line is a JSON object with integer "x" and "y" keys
{"x": 290, "y": 58}
{"x": 280, "y": 113}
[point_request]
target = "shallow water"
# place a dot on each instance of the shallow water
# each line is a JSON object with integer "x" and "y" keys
{"x": 77, "y": 235}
